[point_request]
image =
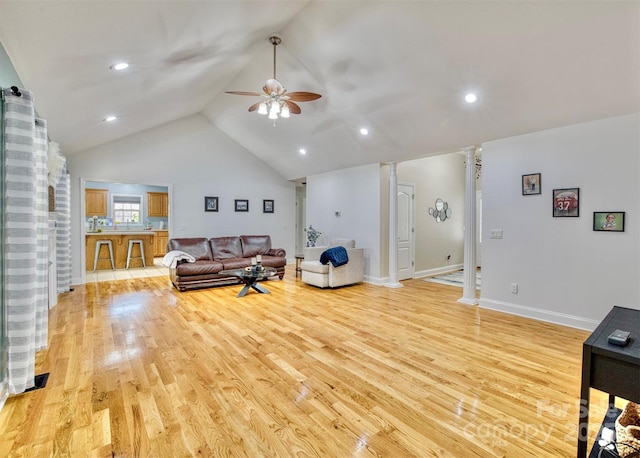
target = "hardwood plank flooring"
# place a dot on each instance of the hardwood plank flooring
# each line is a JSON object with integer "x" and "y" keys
{"x": 138, "y": 369}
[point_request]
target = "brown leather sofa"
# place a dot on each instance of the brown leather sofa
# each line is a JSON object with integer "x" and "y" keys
{"x": 221, "y": 253}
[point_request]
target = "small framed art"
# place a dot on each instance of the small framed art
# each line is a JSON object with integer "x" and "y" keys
{"x": 608, "y": 221}
{"x": 210, "y": 204}
{"x": 242, "y": 205}
{"x": 566, "y": 203}
{"x": 531, "y": 184}
{"x": 267, "y": 206}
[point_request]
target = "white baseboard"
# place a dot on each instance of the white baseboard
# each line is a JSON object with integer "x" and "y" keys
{"x": 438, "y": 271}
{"x": 540, "y": 314}
{"x": 379, "y": 281}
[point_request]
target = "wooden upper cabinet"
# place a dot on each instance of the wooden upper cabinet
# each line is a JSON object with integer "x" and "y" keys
{"x": 95, "y": 202}
{"x": 157, "y": 204}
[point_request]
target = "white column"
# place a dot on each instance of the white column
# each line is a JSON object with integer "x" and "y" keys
{"x": 469, "y": 286}
{"x": 393, "y": 227}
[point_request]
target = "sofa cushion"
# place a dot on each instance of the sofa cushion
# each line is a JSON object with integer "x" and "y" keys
{"x": 253, "y": 245}
{"x": 235, "y": 263}
{"x": 226, "y": 247}
{"x": 198, "y": 268}
{"x": 196, "y": 247}
{"x": 314, "y": 266}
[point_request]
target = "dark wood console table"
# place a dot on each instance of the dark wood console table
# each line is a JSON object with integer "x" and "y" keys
{"x": 609, "y": 368}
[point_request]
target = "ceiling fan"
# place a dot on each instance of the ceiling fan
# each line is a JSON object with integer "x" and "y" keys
{"x": 275, "y": 98}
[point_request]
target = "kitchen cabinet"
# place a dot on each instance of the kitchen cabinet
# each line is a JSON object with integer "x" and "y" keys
{"x": 95, "y": 202}
{"x": 158, "y": 204}
{"x": 160, "y": 243}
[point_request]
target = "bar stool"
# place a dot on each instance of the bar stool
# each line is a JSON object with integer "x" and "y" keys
{"x": 130, "y": 249}
{"x": 97, "y": 257}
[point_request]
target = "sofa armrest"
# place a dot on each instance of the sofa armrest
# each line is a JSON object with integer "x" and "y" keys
{"x": 349, "y": 273}
{"x": 279, "y": 252}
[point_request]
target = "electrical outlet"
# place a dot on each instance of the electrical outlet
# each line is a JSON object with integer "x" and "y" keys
{"x": 514, "y": 288}
{"x": 448, "y": 257}
{"x": 496, "y": 233}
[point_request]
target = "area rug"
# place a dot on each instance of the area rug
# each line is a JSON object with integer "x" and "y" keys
{"x": 453, "y": 279}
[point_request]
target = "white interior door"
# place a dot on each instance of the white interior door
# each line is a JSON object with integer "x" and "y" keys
{"x": 405, "y": 231}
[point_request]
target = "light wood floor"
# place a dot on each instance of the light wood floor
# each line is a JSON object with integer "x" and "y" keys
{"x": 139, "y": 369}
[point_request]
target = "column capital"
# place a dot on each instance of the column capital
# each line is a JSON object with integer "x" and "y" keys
{"x": 472, "y": 149}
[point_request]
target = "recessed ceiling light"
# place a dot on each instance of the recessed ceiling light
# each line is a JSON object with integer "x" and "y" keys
{"x": 303, "y": 151}
{"x": 110, "y": 118}
{"x": 364, "y": 131}
{"x": 470, "y": 97}
{"x": 119, "y": 66}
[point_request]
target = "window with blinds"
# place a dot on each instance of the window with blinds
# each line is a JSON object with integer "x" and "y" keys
{"x": 127, "y": 209}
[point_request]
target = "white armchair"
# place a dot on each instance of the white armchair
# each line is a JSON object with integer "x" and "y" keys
{"x": 327, "y": 276}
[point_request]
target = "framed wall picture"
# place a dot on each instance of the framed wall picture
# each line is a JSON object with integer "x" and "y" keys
{"x": 242, "y": 205}
{"x": 210, "y": 204}
{"x": 267, "y": 206}
{"x": 612, "y": 221}
{"x": 531, "y": 184}
{"x": 566, "y": 202}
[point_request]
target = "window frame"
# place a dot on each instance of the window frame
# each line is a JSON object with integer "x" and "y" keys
{"x": 122, "y": 198}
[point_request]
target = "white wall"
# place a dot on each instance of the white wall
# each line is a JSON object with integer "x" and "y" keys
{"x": 194, "y": 159}
{"x": 437, "y": 177}
{"x": 8, "y": 75}
{"x": 566, "y": 272}
{"x": 355, "y": 193}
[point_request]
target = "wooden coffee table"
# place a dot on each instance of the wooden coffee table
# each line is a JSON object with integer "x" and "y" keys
{"x": 250, "y": 278}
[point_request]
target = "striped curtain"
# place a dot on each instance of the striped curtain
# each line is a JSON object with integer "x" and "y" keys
{"x": 40, "y": 145}
{"x": 63, "y": 233}
{"x": 25, "y": 320}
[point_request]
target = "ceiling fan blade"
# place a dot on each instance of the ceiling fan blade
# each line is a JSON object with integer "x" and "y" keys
{"x": 294, "y": 108}
{"x": 303, "y": 96}
{"x": 243, "y": 93}
{"x": 255, "y": 106}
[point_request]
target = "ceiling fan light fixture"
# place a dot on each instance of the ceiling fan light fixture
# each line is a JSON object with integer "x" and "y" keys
{"x": 275, "y": 97}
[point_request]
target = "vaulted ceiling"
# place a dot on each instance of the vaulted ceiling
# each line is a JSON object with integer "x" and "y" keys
{"x": 399, "y": 68}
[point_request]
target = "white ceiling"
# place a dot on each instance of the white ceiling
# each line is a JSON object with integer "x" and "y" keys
{"x": 400, "y": 68}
